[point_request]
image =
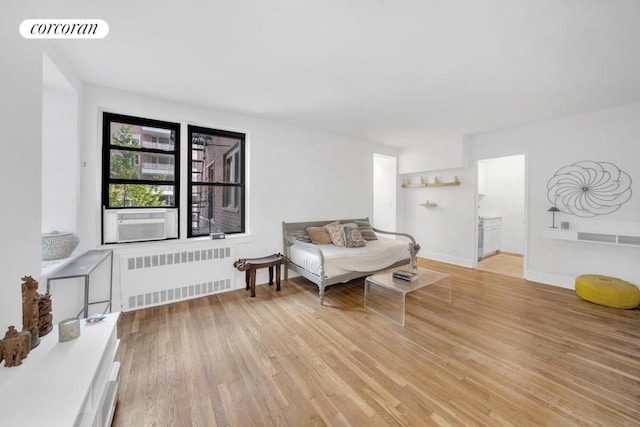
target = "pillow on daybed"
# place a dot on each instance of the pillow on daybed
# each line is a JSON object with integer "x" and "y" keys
{"x": 336, "y": 233}
{"x": 301, "y": 235}
{"x": 352, "y": 236}
{"x": 320, "y": 235}
{"x": 366, "y": 230}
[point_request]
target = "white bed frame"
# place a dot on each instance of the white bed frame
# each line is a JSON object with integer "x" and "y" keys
{"x": 319, "y": 279}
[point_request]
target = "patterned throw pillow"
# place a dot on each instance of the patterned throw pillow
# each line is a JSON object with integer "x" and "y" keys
{"x": 352, "y": 236}
{"x": 301, "y": 235}
{"x": 319, "y": 235}
{"x": 335, "y": 233}
{"x": 367, "y": 230}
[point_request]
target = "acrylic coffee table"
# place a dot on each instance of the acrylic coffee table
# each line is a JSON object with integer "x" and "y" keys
{"x": 385, "y": 282}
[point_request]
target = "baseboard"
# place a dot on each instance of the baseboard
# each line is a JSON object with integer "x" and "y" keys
{"x": 463, "y": 262}
{"x": 560, "y": 281}
{"x": 510, "y": 254}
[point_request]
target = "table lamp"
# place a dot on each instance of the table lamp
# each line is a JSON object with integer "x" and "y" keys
{"x": 553, "y": 211}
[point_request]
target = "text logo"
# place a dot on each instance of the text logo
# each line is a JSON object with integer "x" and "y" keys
{"x": 64, "y": 29}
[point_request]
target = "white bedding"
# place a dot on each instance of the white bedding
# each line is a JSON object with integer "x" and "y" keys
{"x": 376, "y": 255}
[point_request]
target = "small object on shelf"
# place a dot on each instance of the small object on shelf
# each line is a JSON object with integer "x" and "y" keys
{"x": 57, "y": 245}
{"x": 30, "y": 310}
{"x": 95, "y": 318}
{"x": 217, "y": 236}
{"x": 405, "y": 276}
{"x": 68, "y": 329}
{"x": 436, "y": 183}
{"x": 14, "y": 347}
{"x": 564, "y": 225}
{"x": 45, "y": 318}
{"x": 553, "y": 211}
{"x": 429, "y": 204}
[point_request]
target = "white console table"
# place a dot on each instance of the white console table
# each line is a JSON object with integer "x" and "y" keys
{"x": 72, "y": 383}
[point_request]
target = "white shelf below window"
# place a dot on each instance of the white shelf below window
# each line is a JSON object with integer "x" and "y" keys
{"x": 72, "y": 383}
{"x": 610, "y": 238}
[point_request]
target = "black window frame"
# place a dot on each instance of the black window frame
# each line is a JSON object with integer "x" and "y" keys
{"x": 107, "y": 146}
{"x": 239, "y": 184}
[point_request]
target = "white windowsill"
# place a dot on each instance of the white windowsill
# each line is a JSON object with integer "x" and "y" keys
{"x": 201, "y": 242}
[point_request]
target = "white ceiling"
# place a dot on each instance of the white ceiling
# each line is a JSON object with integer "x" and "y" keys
{"x": 397, "y": 72}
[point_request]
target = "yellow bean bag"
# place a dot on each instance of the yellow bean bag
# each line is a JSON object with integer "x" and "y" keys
{"x": 607, "y": 291}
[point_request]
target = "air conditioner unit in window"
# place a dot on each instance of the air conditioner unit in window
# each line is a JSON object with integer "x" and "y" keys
{"x": 138, "y": 225}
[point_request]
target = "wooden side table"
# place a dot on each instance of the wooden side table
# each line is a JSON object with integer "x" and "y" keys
{"x": 250, "y": 265}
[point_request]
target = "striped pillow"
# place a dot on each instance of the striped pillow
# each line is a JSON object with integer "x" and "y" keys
{"x": 301, "y": 235}
{"x": 366, "y": 230}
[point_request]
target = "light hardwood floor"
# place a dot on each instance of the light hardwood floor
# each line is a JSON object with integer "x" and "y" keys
{"x": 504, "y": 352}
{"x": 503, "y": 263}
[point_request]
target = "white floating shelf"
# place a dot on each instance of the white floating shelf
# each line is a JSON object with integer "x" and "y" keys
{"x": 620, "y": 239}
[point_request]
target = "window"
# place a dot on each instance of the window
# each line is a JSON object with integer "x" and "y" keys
{"x": 140, "y": 163}
{"x": 231, "y": 195}
{"x": 216, "y": 181}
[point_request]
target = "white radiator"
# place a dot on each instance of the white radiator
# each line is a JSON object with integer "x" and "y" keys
{"x": 162, "y": 277}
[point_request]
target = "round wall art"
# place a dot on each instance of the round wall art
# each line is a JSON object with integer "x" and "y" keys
{"x": 587, "y": 188}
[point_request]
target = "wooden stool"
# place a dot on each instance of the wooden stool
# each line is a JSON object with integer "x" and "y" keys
{"x": 250, "y": 265}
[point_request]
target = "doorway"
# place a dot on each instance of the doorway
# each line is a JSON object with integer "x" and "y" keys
{"x": 384, "y": 192}
{"x": 501, "y": 215}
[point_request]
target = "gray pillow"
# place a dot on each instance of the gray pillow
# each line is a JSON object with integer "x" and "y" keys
{"x": 301, "y": 235}
{"x": 352, "y": 236}
{"x": 366, "y": 230}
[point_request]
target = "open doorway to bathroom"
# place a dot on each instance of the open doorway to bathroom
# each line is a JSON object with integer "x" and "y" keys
{"x": 501, "y": 215}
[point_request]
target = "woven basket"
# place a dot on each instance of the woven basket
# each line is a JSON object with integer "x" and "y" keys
{"x": 56, "y": 245}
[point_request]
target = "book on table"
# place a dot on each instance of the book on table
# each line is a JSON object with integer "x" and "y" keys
{"x": 405, "y": 276}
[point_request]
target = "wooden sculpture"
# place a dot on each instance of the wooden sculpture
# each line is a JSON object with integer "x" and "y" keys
{"x": 14, "y": 347}
{"x": 45, "y": 318}
{"x": 30, "y": 310}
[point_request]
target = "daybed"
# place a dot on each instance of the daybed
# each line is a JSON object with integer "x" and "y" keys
{"x": 327, "y": 264}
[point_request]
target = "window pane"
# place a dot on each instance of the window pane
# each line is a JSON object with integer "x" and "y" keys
{"x": 141, "y": 165}
{"x": 141, "y": 195}
{"x": 215, "y": 159}
{"x": 157, "y": 166}
{"x": 124, "y": 164}
{"x": 128, "y": 135}
{"x": 209, "y": 215}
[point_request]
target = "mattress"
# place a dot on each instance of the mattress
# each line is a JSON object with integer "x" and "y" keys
{"x": 376, "y": 255}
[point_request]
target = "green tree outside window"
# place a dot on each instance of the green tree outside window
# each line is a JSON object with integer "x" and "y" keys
{"x": 124, "y": 166}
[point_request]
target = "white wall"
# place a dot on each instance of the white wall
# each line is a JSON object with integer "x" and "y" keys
{"x": 609, "y": 135}
{"x": 445, "y": 232}
{"x": 504, "y": 197}
{"x": 445, "y": 153}
{"x": 294, "y": 174}
{"x": 60, "y": 154}
{"x": 21, "y": 141}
